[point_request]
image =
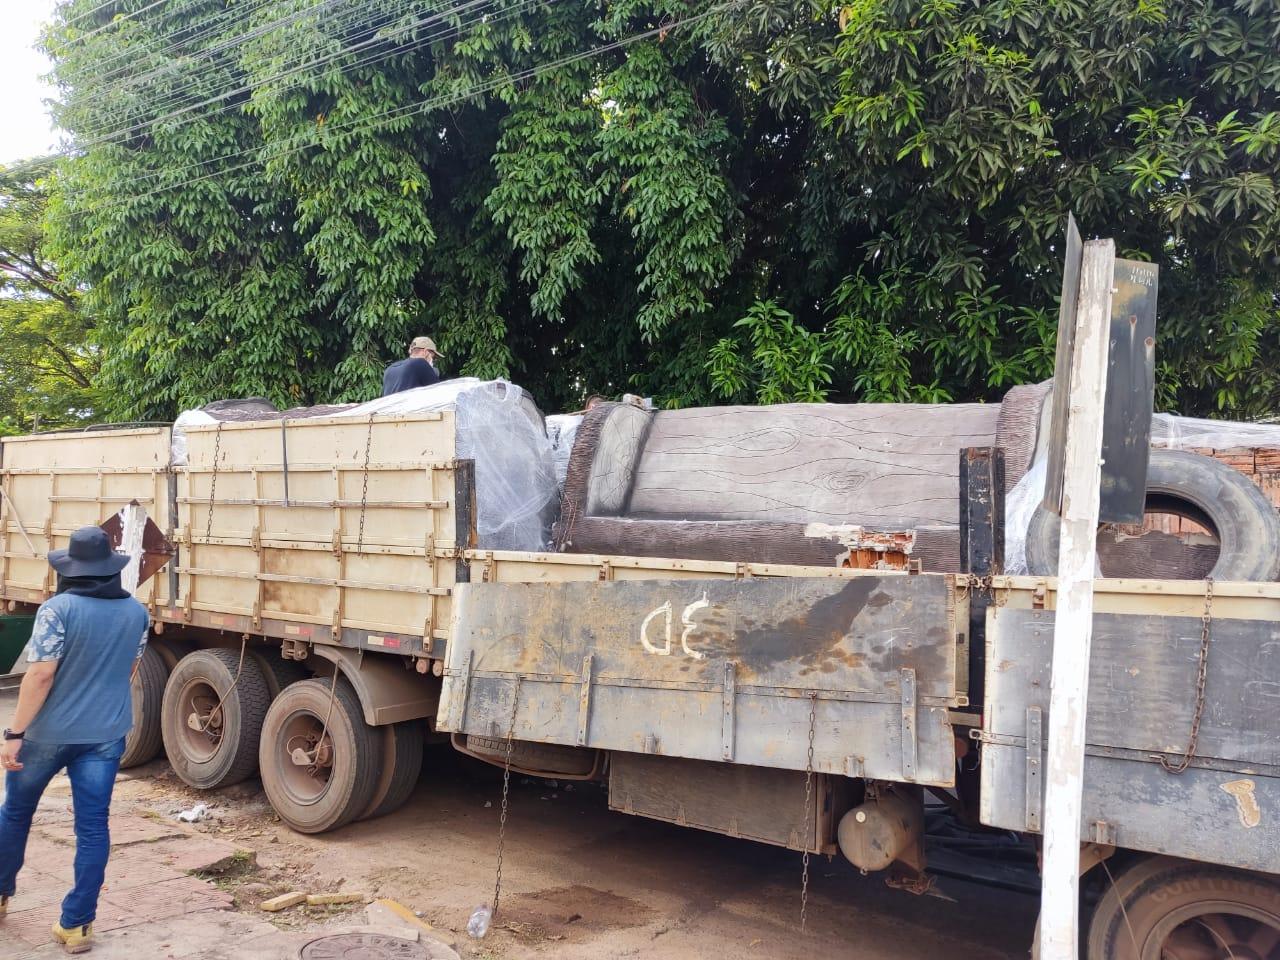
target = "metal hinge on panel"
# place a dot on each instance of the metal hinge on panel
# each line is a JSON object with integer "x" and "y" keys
{"x": 1035, "y": 747}
{"x": 584, "y": 701}
{"x": 486, "y": 571}
{"x": 606, "y": 571}
{"x": 1038, "y": 597}
{"x": 907, "y": 688}
{"x": 728, "y": 708}
{"x": 1102, "y": 832}
{"x": 463, "y": 691}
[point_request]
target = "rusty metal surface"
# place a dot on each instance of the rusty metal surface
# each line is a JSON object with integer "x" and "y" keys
{"x": 156, "y": 548}
{"x": 1225, "y": 808}
{"x": 1126, "y": 416}
{"x": 717, "y": 669}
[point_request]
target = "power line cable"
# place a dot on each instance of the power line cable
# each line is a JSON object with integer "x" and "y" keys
{"x": 521, "y": 6}
{"x": 381, "y": 119}
{"x": 114, "y": 22}
{"x": 125, "y": 132}
{"x": 380, "y": 37}
{"x": 210, "y": 52}
{"x": 171, "y": 44}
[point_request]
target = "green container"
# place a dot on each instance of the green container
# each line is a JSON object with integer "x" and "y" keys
{"x": 15, "y": 631}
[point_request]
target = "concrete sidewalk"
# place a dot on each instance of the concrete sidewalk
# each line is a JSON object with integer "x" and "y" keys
{"x": 157, "y": 903}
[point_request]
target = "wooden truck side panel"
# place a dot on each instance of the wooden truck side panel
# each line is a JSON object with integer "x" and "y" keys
{"x": 55, "y": 483}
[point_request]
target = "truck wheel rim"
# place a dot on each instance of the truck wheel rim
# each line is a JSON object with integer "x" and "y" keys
{"x": 199, "y": 704}
{"x": 1214, "y": 930}
{"x": 306, "y": 783}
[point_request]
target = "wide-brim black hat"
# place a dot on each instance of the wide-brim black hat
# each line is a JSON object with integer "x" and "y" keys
{"x": 88, "y": 555}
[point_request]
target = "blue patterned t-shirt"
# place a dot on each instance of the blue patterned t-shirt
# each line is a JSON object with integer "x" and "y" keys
{"x": 96, "y": 644}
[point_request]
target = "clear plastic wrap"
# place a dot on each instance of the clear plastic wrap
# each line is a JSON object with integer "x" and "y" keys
{"x": 499, "y": 427}
{"x": 1189, "y": 433}
{"x": 561, "y": 431}
{"x": 1019, "y": 504}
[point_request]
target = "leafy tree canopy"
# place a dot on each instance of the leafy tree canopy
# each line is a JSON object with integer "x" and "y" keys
{"x": 759, "y": 200}
{"x": 47, "y": 358}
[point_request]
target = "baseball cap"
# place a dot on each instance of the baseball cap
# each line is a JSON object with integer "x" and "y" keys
{"x": 425, "y": 343}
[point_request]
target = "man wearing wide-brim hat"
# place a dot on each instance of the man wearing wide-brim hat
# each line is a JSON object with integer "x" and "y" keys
{"x": 74, "y": 710}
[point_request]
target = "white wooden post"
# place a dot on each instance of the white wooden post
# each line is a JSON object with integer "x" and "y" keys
{"x": 1073, "y": 624}
{"x": 133, "y": 523}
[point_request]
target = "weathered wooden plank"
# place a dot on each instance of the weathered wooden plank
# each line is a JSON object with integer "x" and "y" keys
{"x": 1077, "y": 556}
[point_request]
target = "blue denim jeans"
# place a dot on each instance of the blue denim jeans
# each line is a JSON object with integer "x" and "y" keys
{"x": 91, "y": 768}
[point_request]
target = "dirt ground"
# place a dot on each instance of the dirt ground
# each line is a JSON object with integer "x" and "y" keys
{"x": 582, "y": 882}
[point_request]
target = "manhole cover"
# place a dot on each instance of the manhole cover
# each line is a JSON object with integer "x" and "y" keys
{"x": 364, "y": 946}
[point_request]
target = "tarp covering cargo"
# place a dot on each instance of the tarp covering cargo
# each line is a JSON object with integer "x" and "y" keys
{"x": 498, "y": 426}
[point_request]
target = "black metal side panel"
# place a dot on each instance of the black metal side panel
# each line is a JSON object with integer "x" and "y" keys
{"x": 1126, "y": 417}
{"x": 740, "y": 671}
{"x": 1225, "y": 808}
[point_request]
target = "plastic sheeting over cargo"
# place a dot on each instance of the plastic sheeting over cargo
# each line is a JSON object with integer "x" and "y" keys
{"x": 498, "y": 426}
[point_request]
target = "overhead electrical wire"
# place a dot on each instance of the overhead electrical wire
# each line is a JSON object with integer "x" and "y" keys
{"x": 419, "y": 106}
{"x": 301, "y": 66}
{"x": 376, "y": 57}
{"x": 208, "y": 53}
{"x": 115, "y": 22}
{"x": 123, "y": 133}
{"x": 387, "y": 116}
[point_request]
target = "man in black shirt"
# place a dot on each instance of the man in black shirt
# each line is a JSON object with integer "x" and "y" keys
{"x": 418, "y": 370}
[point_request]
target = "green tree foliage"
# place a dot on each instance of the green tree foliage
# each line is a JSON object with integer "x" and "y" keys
{"x": 758, "y": 200}
{"x": 47, "y": 358}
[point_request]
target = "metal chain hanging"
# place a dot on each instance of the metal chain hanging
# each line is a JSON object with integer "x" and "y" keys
{"x": 808, "y": 807}
{"x": 506, "y": 787}
{"x": 364, "y": 489}
{"x": 213, "y": 483}
{"x": 1202, "y": 675}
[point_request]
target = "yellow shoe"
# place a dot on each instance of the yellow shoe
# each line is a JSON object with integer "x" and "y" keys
{"x": 75, "y": 940}
{"x": 4, "y": 906}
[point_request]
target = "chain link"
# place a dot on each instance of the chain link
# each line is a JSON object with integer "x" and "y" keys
{"x": 506, "y": 787}
{"x": 808, "y": 808}
{"x": 1202, "y": 675}
{"x": 213, "y": 483}
{"x": 364, "y": 489}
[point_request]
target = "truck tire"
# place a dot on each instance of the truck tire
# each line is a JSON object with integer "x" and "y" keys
{"x": 143, "y": 742}
{"x": 211, "y": 720}
{"x": 338, "y": 785}
{"x": 1165, "y": 907}
{"x": 171, "y": 651}
{"x": 1201, "y": 489}
{"x": 402, "y": 747}
{"x": 278, "y": 672}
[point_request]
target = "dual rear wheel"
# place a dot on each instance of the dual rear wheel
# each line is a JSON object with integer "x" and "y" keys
{"x": 221, "y": 719}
